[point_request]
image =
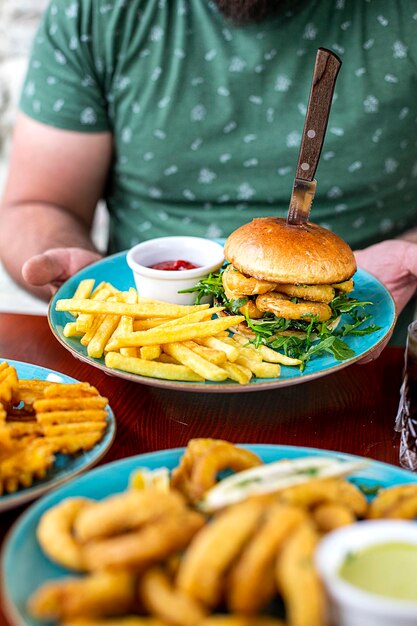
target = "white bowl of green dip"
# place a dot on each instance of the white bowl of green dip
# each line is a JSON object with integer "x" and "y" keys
{"x": 369, "y": 570}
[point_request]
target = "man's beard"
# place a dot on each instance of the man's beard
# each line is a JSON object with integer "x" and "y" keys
{"x": 247, "y": 11}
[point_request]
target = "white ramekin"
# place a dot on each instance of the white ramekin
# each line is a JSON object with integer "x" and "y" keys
{"x": 165, "y": 284}
{"x": 350, "y": 605}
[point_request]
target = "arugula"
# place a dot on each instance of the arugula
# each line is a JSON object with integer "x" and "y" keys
{"x": 367, "y": 489}
{"x": 210, "y": 286}
{"x": 312, "y": 338}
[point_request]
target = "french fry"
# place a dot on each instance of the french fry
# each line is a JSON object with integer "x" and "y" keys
{"x": 260, "y": 369}
{"x": 140, "y": 310}
{"x": 98, "y": 288}
{"x": 238, "y": 373}
{"x": 175, "y": 333}
{"x": 70, "y": 330}
{"x": 166, "y": 358}
{"x": 151, "y": 323}
{"x": 84, "y": 290}
{"x": 95, "y": 323}
{"x": 214, "y": 356}
{"x": 155, "y": 369}
{"x": 197, "y": 316}
{"x": 195, "y": 362}
{"x": 148, "y": 353}
{"x": 103, "y": 333}
{"x": 267, "y": 354}
{"x": 84, "y": 321}
{"x": 249, "y": 351}
{"x": 125, "y": 324}
{"x": 230, "y": 351}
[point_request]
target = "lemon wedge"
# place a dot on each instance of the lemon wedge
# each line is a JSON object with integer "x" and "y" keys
{"x": 144, "y": 478}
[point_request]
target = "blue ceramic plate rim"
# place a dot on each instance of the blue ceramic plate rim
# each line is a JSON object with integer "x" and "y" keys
{"x": 289, "y": 375}
{"x": 72, "y": 465}
{"x": 97, "y": 484}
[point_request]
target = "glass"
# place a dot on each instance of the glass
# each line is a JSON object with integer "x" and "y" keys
{"x": 406, "y": 420}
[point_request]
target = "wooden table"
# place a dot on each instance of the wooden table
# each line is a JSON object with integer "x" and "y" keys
{"x": 351, "y": 411}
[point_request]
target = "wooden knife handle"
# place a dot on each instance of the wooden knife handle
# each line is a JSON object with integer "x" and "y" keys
{"x": 325, "y": 73}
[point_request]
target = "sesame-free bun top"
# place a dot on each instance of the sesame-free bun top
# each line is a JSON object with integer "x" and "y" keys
{"x": 270, "y": 249}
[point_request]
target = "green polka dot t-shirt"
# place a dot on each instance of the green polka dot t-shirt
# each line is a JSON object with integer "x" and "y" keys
{"x": 207, "y": 116}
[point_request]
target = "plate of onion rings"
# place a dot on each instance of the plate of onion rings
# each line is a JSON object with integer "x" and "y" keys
{"x": 114, "y": 270}
{"x": 22, "y": 554}
{"x": 61, "y": 466}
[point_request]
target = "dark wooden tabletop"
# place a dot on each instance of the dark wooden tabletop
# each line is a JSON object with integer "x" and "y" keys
{"x": 351, "y": 411}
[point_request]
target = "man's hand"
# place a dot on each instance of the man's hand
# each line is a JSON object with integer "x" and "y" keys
{"x": 56, "y": 265}
{"x": 394, "y": 263}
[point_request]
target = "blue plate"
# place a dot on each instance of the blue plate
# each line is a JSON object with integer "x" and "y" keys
{"x": 65, "y": 466}
{"x": 114, "y": 269}
{"x": 22, "y": 556}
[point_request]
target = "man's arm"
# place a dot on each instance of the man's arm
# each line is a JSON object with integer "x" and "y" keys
{"x": 55, "y": 179}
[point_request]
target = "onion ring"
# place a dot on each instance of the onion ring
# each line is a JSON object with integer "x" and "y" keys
{"x": 237, "y": 285}
{"x": 54, "y": 533}
{"x": 166, "y": 602}
{"x": 214, "y": 549}
{"x": 123, "y": 512}
{"x": 276, "y": 303}
{"x": 137, "y": 550}
{"x": 251, "y": 583}
{"x": 97, "y": 595}
{"x": 222, "y": 455}
{"x": 297, "y": 579}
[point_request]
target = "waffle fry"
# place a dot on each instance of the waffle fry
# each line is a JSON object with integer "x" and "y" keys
{"x": 8, "y": 385}
{"x": 25, "y": 463}
{"x": 31, "y": 390}
{"x": 39, "y": 419}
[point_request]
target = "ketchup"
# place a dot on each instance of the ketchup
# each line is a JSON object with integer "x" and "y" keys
{"x": 174, "y": 266}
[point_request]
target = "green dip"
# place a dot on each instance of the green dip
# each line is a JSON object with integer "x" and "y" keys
{"x": 387, "y": 569}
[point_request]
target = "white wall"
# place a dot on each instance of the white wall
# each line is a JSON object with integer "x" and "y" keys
{"x": 18, "y": 22}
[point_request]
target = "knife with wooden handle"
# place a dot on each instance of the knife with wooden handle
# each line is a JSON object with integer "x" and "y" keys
{"x": 325, "y": 73}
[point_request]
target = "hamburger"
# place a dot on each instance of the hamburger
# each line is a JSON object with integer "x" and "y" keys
{"x": 291, "y": 272}
{"x": 292, "y": 283}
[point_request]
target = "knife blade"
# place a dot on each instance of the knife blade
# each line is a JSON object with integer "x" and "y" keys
{"x": 325, "y": 73}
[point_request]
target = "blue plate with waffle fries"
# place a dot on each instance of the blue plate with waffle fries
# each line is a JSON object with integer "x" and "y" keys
{"x": 65, "y": 466}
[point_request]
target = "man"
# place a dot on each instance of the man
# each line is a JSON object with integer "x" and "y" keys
{"x": 186, "y": 116}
